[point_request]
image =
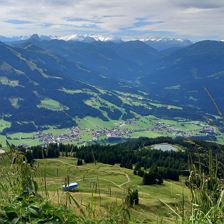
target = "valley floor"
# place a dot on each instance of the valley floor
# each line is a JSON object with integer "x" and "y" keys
{"x": 92, "y": 129}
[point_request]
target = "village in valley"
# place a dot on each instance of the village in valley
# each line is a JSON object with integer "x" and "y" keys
{"x": 122, "y": 129}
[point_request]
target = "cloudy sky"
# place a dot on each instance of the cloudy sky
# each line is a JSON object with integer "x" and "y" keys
{"x": 193, "y": 19}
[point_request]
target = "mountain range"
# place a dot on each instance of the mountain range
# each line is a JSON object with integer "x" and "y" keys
{"x": 52, "y": 82}
{"x": 155, "y": 42}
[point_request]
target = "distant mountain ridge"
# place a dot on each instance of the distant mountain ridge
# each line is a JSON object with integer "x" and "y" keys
{"x": 167, "y": 43}
{"x": 184, "y": 75}
{"x": 45, "y": 82}
{"x": 48, "y": 83}
{"x": 6, "y": 39}
{"x": 155, "y": 42}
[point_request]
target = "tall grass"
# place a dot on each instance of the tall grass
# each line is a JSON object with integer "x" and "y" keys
{"x": 207, "y": 191}
{"x": 21, "y": 202}
{"x": 207, "y": 195}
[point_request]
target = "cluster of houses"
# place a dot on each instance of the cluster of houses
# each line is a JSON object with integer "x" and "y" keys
{"x": 75, "y": 133}
{"x": 208, "y": 131}
{"x": 115, "y": 132}
{"x": 162, "y": 127}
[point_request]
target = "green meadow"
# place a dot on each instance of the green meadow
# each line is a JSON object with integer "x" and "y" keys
{"x": 105, "y": 184}
{"x": 51, "y": 104}
{"x": 4, "y": 124}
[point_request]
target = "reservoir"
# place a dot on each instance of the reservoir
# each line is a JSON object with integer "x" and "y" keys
{"x": 164, "y": 147}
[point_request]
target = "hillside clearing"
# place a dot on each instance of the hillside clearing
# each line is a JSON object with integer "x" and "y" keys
{"x": 106, "y": 184}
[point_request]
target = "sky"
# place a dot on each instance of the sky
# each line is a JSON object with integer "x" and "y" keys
{"x": 189, "y": 19}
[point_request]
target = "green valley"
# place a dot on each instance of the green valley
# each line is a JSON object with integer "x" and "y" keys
{"x": 110, "y": 114}
{"x": 90, "y": 129}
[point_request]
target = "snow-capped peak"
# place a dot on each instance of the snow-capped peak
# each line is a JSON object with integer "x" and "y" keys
{"x": 76, "y": 37}
{"x": 166, "y": 42}
{"x": 26, "y": 37}
{"x": 164, "y": 39}
{"x": 87, "y": 38}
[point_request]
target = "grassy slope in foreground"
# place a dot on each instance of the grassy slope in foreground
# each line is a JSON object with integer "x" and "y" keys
{"x": 112, "y": 184}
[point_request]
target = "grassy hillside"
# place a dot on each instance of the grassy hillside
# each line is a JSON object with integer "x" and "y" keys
{"x": 35, "y": 193}
{"x": 102, "y": 185}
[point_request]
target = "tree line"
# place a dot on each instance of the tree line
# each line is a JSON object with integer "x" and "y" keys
{"x": 152, "y": 165}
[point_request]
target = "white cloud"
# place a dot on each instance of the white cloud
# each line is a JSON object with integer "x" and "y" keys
{"x": 183, "y": 18}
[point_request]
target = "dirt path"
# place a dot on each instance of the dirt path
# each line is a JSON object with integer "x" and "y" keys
{"x": 108, "y": 172}
{"x": 128, "y": 180}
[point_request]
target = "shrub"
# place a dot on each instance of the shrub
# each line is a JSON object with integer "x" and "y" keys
{"x": 132, "y": 197}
